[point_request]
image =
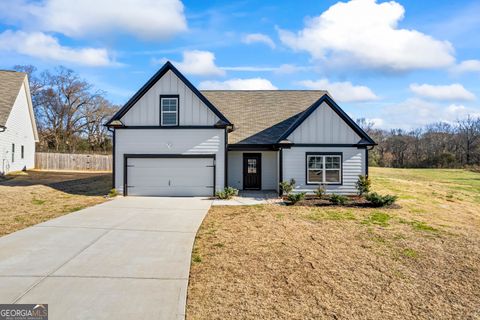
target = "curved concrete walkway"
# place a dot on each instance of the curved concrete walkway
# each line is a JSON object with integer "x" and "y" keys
{"x": 128, "y": 258}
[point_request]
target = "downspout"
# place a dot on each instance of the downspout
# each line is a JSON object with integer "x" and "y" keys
{"x": 366, "y": 159}
{"x": 113, "y": 156}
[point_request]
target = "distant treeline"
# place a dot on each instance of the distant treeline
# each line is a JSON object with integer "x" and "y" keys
{"x": 438, "y": 145}
{"x": 69, "y": 111}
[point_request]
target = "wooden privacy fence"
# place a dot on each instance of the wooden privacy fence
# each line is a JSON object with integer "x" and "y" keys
{"x": 66, "y": 161}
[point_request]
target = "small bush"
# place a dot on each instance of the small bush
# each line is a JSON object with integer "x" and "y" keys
{"x": 320, "y": 191}
{"x": 113, "y": 193}
{"x": 295, "y": 197}
{"x": 363, "y": 185}
{"x": 227, "y": 193}
{"x": 378, "y": 200}
{"x": 287, "y": 187}
{"x": 338, "y": 199}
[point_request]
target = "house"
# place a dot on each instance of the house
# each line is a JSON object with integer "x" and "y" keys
{"x": 171, "y": 139}
{"x": 18, "y": 131}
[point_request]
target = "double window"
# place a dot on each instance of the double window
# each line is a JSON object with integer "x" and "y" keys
{"x": 169, "y": 111}
{"x": 324, "y": 168}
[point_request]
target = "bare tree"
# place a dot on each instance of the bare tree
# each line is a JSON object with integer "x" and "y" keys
{"x": 69, "y": 111}
{"x": 469, "y": 136}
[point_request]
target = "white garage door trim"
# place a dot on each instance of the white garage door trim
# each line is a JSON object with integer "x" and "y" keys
{"x": 165, "y": 156}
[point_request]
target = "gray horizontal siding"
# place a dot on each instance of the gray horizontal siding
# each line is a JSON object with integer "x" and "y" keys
{"x": 294, "y": 166}
{"x": 164, "y": 141}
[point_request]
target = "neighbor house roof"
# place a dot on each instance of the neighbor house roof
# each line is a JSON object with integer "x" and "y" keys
{"x": 261, "y": 116}
{"x": 10, "y": 85}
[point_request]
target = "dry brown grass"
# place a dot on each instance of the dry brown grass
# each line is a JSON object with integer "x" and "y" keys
{"x": 28, "y": 198}
{"x": 420, "y": 261}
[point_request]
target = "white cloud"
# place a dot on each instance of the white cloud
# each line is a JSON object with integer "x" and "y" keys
{"x": 365, "y": 33}
{"x": 258, "y": 38}
{"x": 442, "y": 92}
{"x": 201, "y": 63}
{"x": 238, "y": 84}
{"x": 151, "y": 19}
{"x": 43, "y": 46}
{"x": 342, "y": 91}
{"x": 377, "y": 122}
{"x": 414, "y": 113}
{"x": 282, "y": 69}
{"x": 467, "y": 66}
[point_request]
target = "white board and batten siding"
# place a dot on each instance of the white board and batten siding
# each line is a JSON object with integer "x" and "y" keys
{"x": 146, "y": 111}
{"x": 20, "y": 131}
{"x": 167, "y": 141}
{"x": 324, "y": 126}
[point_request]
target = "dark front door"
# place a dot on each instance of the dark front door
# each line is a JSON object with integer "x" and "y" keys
{"x": 252, "y": 171}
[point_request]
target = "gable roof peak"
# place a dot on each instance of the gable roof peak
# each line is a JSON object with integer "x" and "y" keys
{"x": 168, "y": 66}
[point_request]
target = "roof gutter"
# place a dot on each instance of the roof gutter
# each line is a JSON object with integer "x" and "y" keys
{"x": 3, "y": 128}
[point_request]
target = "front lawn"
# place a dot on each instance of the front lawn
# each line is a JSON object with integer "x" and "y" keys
{"x": 28, "y": 198}
{"x": 420, "y": 260}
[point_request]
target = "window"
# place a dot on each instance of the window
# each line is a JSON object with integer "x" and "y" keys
{"x": 252, "y": 166}
{"x": 22, "y": 152}
{"x": 324, "y": 168}
{"x": 169, "y": 111}
{"x": 13, "y": 152}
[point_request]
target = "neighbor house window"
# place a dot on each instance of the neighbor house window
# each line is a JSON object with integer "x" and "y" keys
{"x": 169, "y": 111}
{"x": 13, "y": 152}
{"x": 22, "y": 152}
{"x": 324, "y": 168}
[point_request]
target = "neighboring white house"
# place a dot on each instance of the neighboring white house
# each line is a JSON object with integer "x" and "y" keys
{"x": 172, "y": 140}
{"x": 18, "y": 131}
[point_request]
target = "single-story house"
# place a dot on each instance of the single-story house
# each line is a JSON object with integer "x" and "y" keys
{"x": 18, "y": 130}
{"x": 171, "y": 139}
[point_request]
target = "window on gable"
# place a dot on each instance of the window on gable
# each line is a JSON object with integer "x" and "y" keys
{"x": 169, "y": 111}
{"x": 324, "y": 169}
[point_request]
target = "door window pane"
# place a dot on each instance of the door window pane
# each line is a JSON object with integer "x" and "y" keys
{"x": 251, "y": 166}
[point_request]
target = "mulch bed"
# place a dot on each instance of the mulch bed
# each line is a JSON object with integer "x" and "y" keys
{"x": 312, "y": 201}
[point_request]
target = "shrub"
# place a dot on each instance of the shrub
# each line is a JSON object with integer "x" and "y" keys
{"x": 363, "y": 185}
{"x": 338, "y": 199}
{"x": 380, "y": 201}
{"x": 287, "y": 187}
{"x": 113, "y": 193}
{"x": 227, "y": 193}
{"x": 320, "y": 191}
{"x": 295, "y": 197}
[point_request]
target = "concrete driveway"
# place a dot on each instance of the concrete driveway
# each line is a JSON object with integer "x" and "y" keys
{"x": 124, "y": 259}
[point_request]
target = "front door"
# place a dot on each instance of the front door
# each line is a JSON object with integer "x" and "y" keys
{"x": 252, "y": 171}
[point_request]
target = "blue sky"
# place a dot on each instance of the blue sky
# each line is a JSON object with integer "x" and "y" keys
{"x": 399, "y": 63}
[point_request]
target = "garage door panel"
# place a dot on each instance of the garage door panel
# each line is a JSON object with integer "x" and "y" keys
{"x": 170, "y": 176}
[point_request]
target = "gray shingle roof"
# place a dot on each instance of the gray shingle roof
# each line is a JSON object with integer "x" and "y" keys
{"x": 10, "y": 84}
{"x": 261, "y": 116}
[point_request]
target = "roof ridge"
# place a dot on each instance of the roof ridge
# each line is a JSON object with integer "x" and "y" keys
{"x": 13, "y": 71}
{"x": 269, "y": 90}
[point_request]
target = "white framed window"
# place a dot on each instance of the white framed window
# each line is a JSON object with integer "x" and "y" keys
{"x": 169, "y": 111}
{"x": 324, "y": 168}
